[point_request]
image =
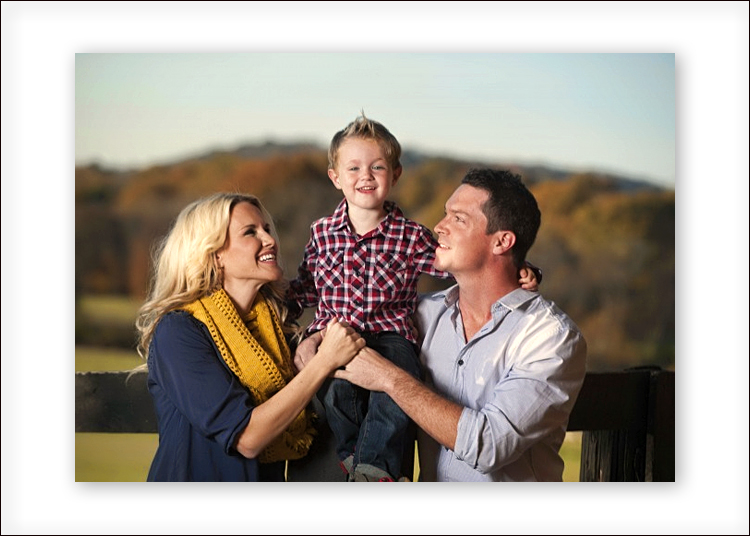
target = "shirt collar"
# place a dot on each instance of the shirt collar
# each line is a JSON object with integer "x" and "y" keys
{"x": 392, "y": 226}
{"x": 511, "y": 301}
{"x": 339, "y": 218}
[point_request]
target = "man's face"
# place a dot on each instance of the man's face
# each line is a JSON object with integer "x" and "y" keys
{"x": 464, "y": 244}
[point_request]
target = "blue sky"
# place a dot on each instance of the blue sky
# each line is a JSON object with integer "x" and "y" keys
{"x": 589, "y": 111}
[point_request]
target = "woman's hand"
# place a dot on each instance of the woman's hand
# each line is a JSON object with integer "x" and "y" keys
{"x": 340, "y": 343}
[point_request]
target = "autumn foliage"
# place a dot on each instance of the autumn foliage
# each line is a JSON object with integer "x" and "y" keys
{"x": 606, "y": 245}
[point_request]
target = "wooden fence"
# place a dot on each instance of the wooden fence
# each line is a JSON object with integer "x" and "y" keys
{"x": 627, "y": 419}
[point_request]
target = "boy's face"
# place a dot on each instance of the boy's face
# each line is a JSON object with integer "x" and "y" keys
{"x": 363, "y": 173}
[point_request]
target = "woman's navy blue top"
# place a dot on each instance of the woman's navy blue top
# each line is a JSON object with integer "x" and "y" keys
{"x": 201, "y": 408}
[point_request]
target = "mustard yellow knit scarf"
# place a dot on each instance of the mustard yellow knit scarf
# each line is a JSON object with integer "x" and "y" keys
{"x": 256, "y": 351}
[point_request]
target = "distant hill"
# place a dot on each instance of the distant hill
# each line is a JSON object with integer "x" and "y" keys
{"x": 410, "y": 158}
{"x": 606, "y": 244}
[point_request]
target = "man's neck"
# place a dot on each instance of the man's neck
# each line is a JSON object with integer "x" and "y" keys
{"x": 476, "y": 298}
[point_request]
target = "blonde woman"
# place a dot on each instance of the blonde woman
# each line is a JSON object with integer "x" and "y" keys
{"x": 213, "y": 333}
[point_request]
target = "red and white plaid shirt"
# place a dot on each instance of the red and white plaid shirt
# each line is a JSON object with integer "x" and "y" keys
{"x": 369, "y": 281}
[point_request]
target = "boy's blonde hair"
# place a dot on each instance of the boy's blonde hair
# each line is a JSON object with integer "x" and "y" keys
{"x": 368, "y": 129}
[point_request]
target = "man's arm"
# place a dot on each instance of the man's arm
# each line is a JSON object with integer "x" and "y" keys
{"x": 431, "y": 412}
{"x": 535, "y": 398}
{"x": 306, "y": 349}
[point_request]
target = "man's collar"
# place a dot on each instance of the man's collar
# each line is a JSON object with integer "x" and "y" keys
{"x": 512, "y": 300}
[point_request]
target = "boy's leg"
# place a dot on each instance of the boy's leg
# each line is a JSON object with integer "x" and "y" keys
{"x": 345, "y": 406}
{"x": 386, "y": 432}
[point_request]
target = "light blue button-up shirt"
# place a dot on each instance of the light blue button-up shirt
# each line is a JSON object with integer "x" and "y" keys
{"x": 517, "y": 378}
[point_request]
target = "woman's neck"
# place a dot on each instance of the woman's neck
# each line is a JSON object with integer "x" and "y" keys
{"x": 242, "y": 296}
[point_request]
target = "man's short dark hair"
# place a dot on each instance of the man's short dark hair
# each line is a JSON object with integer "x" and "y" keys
{"x": 510, "y": 207}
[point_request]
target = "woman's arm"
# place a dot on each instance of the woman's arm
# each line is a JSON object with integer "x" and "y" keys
{"x": 272, "y": 417}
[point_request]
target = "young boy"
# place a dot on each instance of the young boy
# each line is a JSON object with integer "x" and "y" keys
{"x": 362, "y": 265}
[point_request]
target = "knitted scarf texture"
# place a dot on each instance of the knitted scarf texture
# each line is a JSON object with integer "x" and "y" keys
{"x": 256, "y": 351}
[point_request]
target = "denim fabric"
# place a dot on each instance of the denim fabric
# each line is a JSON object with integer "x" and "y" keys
{"x": 370, "y": 425}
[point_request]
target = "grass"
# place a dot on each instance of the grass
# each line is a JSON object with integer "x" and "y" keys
{"x": 571, "y": 455}
{"x": 107, "y": 309}
{"x": 93, "y": 358}
{"x": 114, "y": 457}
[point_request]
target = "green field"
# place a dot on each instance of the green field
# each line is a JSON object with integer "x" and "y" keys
{"x": 105, "y": 309}
{"x": 126, "y": 457}
{"x": 114, "y": 457}
{"x": 93, "y": 358}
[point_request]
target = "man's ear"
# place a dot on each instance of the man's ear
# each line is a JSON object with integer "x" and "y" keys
{"x": 396, "y": 175}
{"x": 504, "y": 241}
{"x": 334, "y": 178}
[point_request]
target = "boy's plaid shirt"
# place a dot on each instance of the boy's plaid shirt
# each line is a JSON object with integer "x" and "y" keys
{"x": 369, "y": 281}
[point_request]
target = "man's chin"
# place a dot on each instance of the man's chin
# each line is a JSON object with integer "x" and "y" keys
{"x": 439, "y": 265}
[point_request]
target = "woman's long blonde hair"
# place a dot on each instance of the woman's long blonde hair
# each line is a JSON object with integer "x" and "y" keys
{"x": 185, "y": 268}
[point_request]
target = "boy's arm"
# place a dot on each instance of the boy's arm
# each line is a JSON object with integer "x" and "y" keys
{"x": 302, "y": 292}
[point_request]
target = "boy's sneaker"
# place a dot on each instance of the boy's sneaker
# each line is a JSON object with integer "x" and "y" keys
{"x": 369, "y": 473}
{"x": 347, "y": 465}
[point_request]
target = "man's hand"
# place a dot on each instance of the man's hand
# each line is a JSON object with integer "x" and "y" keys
{"x": 369, "y": 370}
{"x": 434, "y": 414}
{"x": 307, "y": 349}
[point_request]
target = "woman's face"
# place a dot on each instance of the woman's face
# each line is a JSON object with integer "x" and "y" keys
{"x": 249, "y": 253}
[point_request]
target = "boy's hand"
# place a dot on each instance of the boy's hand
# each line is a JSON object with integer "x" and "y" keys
{"x": 527, "y": 278}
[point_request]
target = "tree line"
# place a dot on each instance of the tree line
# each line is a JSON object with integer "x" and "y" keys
{"x": 606, "y": 243}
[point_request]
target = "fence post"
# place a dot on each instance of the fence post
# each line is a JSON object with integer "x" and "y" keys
{"x": 661, "y": 427}
{"x": 618, "y": 452}
{"x": 113, "y": 402}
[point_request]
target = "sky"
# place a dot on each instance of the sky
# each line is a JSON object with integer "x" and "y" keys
{"x": 40, "y": 44}
{"x": 609, "y": 112}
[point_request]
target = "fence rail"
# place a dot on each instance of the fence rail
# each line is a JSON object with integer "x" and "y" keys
{"x": 627, "y": 419}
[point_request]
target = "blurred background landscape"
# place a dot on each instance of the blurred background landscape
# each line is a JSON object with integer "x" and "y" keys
{"x": 606, "y": 244}
{"x": 593, "y": 135}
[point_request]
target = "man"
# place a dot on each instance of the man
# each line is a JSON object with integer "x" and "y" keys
{"x": 503, "y": 365}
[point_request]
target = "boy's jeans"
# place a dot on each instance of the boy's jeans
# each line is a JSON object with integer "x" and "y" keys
{"x": 370, "y": 425}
